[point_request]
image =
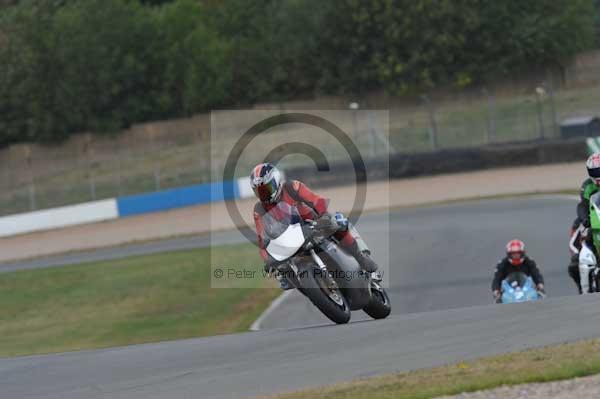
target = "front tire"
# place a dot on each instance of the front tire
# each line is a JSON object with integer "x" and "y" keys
{"x": 595, "y": 279}
{"x": 379, "y": 307}
{"x": 324, "y": 293}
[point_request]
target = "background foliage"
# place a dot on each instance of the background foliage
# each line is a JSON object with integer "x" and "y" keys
{"x": 69, "y": 66}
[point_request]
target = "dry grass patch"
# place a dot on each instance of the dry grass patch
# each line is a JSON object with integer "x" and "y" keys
{"x": 537, "y": 365}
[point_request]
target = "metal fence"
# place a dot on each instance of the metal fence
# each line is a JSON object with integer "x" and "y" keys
{"x": 482, "y": 117}
{"x": 162, "y": 155}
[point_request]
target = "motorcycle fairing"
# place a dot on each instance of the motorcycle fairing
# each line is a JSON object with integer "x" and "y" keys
{"x": 522, "y": 289}
{"x": 287, "y": 244}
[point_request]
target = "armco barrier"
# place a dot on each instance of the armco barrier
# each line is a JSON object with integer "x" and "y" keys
{"x": 401, "y": 165}
{"x": 46, "y": 219}
{"x": 121, "y": 207}
{"x": 244, "y": 188}
{"x": 175, "y": 198}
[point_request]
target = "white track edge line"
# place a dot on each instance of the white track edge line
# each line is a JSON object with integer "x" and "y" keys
{"x": 272, "y": 306}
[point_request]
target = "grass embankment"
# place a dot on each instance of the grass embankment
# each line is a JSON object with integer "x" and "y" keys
{"x": 129, "y": 301}
{"x": 538, "y": 365}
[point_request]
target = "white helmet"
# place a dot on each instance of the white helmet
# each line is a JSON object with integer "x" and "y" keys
{"x": 266, "y": 182}
{"x": 593, "y": 167}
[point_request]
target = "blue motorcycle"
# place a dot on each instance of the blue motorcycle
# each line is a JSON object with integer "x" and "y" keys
{"x": 519, "y": 287}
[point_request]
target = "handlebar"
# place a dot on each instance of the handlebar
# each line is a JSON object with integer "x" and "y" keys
{"x": 318, "y": 230}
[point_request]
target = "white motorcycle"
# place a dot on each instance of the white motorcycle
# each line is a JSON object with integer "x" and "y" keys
{"x": 312, "y": 261}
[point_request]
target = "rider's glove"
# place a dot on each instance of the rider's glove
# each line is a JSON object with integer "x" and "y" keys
{"x": 541, "y": 289}
{"x": 586, "y": 223}
{"x": 326, "y": 223}
{"x": 496, "y": 294}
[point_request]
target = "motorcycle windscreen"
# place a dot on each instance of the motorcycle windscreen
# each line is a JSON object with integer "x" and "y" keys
{"x": 528, "y": 284}
{"x": 283, "y": 234}
{"x": 287, "y": 244}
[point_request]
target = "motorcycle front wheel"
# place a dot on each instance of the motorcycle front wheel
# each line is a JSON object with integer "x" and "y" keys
{"x": 325, "y": 294}
{"x": 595, "y": 281}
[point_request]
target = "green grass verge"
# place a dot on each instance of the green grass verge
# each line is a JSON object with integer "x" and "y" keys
{"x": 539, "y": 365}
{"x": 130, "y": 301}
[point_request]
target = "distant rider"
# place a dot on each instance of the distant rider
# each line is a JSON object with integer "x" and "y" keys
{"x": 516, "y": 260}
{"x": 590, "y": 186}
{"x": 270, "y": 188}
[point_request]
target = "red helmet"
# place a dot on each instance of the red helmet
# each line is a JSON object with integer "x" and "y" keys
{"x": 515, "y": 252}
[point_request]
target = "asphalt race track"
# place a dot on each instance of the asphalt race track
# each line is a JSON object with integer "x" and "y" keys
{"x": 441, "y": 262}
{"x": 444, "y": 256}
{"x": 245, "y": 365}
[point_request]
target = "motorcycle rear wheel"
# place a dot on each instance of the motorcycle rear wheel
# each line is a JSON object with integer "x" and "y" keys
{"x": 379, "y": 307}
{"x": 595, "y": 282}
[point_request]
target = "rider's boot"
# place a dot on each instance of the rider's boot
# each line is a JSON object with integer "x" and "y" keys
{"x": 363, "y": 258}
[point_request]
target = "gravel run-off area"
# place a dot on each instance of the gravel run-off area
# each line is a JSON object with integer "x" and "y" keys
{"x": 586, "y": 387}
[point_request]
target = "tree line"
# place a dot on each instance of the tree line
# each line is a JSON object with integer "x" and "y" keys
{"x": 69, "y": 66}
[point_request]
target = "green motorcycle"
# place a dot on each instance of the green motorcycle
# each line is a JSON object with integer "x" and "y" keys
{"x": 589, "y": 272}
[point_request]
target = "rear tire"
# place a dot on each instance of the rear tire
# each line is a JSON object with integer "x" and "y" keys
{"x": 379, "y": 307}
{"x": 329, "y": 301}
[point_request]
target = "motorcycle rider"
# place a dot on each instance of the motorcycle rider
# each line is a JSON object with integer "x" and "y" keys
{"x": 516, "y": 260}
{"x": 590, "y": 186}
{"x": 270, "y": 188}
